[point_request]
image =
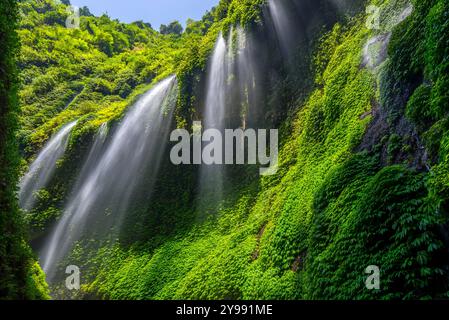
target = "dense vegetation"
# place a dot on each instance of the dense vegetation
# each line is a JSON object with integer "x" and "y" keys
{"x": 363, "y": 173}
{"x": 20, "y": 276}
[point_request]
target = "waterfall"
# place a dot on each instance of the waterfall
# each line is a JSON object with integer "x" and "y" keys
{"x": 93, "y": 156}
{"x": 282, "y": 22}
{"x": 232, "y": 101}
{"x": 216, "y": 85}
{"x": 247, "y": 78}
{"x": 113, "y": 173}
{"x": 230, "y": 54}
{"x": 211, "y": 176}
{"x": 43, "y": 168}
{"x": 296, "y": 22}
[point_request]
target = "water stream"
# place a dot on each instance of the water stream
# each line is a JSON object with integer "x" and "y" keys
{"x": 112, "y": 174}
{"x": 42, "y": 169}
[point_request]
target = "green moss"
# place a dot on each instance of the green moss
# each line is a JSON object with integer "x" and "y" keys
{"x": 418, "y": 107}
{"x": 38, "y": 288}
{"x": 391, "y": 210}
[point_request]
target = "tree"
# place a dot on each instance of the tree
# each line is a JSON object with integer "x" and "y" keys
{"x": 142, "y": 25}
{"x": 193, "y": 26}
{"x": 105, "y": 42}
{"x": 54, "y": 17}
{"x": 173, "y": 28}
{"x": 85, "y": 12}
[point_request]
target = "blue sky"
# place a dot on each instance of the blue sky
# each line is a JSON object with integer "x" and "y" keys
{"x": 155, "y": 12}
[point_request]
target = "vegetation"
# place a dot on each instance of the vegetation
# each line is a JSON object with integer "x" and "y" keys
{"x": 173, "y": 28}
{"x": 363, "y": 172}
{"x": 295, "y": 239}
{"x": 20, "y": 276}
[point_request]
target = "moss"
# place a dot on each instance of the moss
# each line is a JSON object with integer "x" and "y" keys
{"x": 418, "y": 107}
{"x": 391, "y": 210}
{"x": 38, "y": 288}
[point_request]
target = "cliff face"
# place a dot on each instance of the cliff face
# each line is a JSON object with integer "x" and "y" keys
{"x": 359, "y": 95}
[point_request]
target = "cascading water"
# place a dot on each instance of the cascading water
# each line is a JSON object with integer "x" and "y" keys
{"x": 246, "y": 71}
{"x": 211, "y": 176}
{"x": 232, "y": 98}
{"x": 216, "y": 85}
{"x": 230, "y": 53}
{"x": 282, "y": 22}
{"x": 296, "y": 22}
{"x": 93, "y": 156}
{"x": 126, "y": 165}
{"x": 43, "y": 168}
{"x": 375, "y": 50}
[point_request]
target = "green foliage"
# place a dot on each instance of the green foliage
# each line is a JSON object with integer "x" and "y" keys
{"x": 418, "y": 107}
{"x": 419, "y": 60}
{"x": 36, "y": 284}
{"x": 64, "y": 70}
{"x": 173, "y": 28}
{"x": 19, "y": 274}
{"x": 388, "y": 210}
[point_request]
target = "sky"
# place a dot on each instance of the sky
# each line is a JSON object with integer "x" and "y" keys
{"x": 156, "y": 12}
